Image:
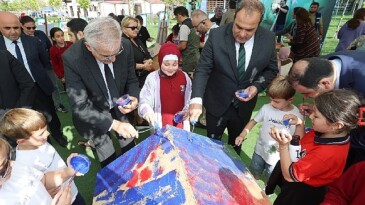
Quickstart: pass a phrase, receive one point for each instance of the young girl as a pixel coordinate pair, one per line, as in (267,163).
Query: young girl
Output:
(56,51)
(323,150)
(166,91)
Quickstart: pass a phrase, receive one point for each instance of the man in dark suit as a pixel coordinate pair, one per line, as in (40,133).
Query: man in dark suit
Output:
(98,70)
(344,69)
(16,85)
(239,55)
(33,55)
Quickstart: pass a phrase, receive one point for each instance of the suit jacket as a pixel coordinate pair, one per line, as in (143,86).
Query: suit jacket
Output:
(16,85)
(38,61)
(352,75)
(87,91)
(216,77)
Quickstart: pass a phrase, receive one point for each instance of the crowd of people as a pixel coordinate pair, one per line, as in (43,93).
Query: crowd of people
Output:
(211,71)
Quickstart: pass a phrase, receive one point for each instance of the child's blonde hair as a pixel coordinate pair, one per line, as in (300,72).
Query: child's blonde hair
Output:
(280,88)
(19,123)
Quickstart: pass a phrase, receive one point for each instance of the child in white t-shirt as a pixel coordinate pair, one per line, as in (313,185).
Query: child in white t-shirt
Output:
(271,115)
(29,129)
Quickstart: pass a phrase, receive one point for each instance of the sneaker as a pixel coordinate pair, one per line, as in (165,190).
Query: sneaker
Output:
(62,108)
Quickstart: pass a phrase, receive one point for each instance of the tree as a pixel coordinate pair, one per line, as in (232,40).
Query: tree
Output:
(55,3)
(84,4)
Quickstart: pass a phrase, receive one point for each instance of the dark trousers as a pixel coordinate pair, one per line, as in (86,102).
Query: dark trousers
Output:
(44,104)
(230,120)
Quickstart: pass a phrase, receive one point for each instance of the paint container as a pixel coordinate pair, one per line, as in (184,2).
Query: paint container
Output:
(124,100)
(242,94)
(179,117)
(80,163)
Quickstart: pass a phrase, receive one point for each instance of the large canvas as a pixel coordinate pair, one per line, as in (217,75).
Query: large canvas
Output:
(174,166)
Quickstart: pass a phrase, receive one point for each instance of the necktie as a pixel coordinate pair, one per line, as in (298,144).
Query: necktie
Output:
(241,69)
(112,87)
(241,61)
(18,53)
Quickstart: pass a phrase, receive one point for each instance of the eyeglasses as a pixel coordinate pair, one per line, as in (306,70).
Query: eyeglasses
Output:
(8,28)
(133,27)
(108,57)
(201,22)
(29,28)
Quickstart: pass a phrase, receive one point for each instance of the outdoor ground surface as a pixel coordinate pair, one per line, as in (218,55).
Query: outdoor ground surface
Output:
(86,183)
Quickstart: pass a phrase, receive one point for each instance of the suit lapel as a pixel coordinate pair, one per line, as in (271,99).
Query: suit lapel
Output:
(2,43)
(27,48)
(230,43)
(94,69)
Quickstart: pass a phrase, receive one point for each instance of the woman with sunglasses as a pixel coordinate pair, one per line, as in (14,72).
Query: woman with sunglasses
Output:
(142,57)
(21,184)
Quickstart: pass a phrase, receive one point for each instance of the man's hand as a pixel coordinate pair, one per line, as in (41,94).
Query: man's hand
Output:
(132,105)
(251,91)
(124,129)
(305,109)
(195,110)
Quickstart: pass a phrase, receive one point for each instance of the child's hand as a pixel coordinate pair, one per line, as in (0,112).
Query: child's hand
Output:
(63,196)
(306,109)
(149,117)
(293,119)
(283,138)
(242,137)
(239,140)
(69,164)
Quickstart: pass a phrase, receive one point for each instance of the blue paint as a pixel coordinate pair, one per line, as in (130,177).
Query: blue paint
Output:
(242,94)
(80,163)
(124,100)
(160,191)
(179,117)
(203,159)
(286,122)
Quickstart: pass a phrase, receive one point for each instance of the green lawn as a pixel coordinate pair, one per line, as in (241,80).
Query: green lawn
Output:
(86,184)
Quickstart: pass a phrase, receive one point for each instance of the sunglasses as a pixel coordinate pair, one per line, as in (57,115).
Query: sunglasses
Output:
(133,27)
(29,28)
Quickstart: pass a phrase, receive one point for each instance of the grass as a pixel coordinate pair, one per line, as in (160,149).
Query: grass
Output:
(86,183)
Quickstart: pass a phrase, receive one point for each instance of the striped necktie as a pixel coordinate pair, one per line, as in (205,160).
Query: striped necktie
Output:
(241,61)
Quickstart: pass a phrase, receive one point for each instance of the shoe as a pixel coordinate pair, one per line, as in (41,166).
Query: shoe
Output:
(200,125)
(85,144)
(61,141)
(62,108)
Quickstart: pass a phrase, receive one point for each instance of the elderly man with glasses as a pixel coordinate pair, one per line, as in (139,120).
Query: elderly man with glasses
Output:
(99,69)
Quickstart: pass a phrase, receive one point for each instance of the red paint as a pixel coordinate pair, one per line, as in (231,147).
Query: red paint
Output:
(132,182)
(153,157)
(236,188)
(145,174)
(139,166)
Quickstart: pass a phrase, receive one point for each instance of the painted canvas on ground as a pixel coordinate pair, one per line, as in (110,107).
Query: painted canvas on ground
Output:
(175,167)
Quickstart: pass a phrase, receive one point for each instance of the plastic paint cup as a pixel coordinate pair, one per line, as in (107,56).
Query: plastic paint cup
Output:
(124,100)
(179,117)
(286,122)
(80,163)
(242,94)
